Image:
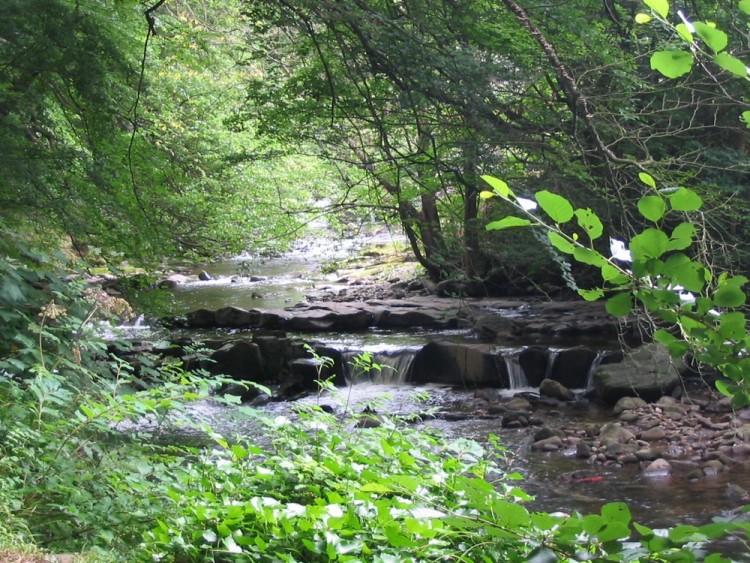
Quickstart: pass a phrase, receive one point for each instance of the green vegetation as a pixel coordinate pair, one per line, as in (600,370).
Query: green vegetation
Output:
(208,128)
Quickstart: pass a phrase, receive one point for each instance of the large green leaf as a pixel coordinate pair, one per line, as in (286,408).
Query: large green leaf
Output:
(500,187)
(561,243)
(556,206)
(682,236)
(620,305)
(744,5)
(672,64)
(729,296)
(716,39)
(652,207)
(589,222)
(731,64)
(661,7)
(685,200)
(651,243)
(588,256)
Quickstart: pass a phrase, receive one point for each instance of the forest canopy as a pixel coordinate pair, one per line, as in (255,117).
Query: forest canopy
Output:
(151,130)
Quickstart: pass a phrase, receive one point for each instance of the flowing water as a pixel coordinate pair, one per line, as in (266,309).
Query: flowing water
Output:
(281,282)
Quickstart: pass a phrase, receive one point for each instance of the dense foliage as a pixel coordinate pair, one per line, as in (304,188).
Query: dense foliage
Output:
(182,133)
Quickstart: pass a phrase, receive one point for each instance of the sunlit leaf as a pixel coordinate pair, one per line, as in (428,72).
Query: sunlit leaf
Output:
(716,39)
(672,64)
(556,206)
(642,18)
(647,179)
(661,7)
(500,187)
(684,32)
(588,256)
(651,243)
(589,222)
(591,294)
(682,236)
(731,64)
(652,207)
(744,5)
(507,223)
(685,200)
(561,243)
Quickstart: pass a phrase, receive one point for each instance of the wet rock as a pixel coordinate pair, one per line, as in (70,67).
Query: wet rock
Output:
(613,433)
(546,432)
(518,403)
(553,443)
(658,468)
(648,454)
(712,467)
(583,450)
(203,275)
(515,419)
(201,318)
(647,372)
(653,434)
(556,390)
(458,364)
(629,416)
(736,493)
(570,366)
(629,404)
(239,359)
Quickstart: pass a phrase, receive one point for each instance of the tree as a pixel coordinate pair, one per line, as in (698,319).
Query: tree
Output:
(422,97)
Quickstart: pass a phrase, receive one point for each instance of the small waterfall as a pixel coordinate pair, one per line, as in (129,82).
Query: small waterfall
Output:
(600,355)
(551,358)
(390,366)
(516,376)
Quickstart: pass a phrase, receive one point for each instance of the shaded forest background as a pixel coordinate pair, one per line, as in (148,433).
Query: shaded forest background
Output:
(199,129)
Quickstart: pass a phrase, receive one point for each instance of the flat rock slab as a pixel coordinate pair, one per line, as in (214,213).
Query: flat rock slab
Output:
(493,319)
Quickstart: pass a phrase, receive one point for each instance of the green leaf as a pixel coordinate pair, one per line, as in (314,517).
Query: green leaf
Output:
(661,7)
(672,64)
(642,18)
(685,272)
(616,512)
(733,326)
(651,243)
(729,296)
(652,207)
(647,179)
(685,200)
(716,39)
(613,274)
(619,305)
(486,194)
(684,32)
(588,256)
(501,188)
(507,223)
(731,64)
(682,236)
(746,118)
(744,5)
(589,222)
(561,243)
(556,206)
(591,294)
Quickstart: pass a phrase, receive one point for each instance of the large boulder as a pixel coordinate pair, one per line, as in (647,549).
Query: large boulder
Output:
(469,365)
(647,372)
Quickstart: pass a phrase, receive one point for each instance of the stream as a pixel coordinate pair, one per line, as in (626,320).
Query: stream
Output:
(281,282)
